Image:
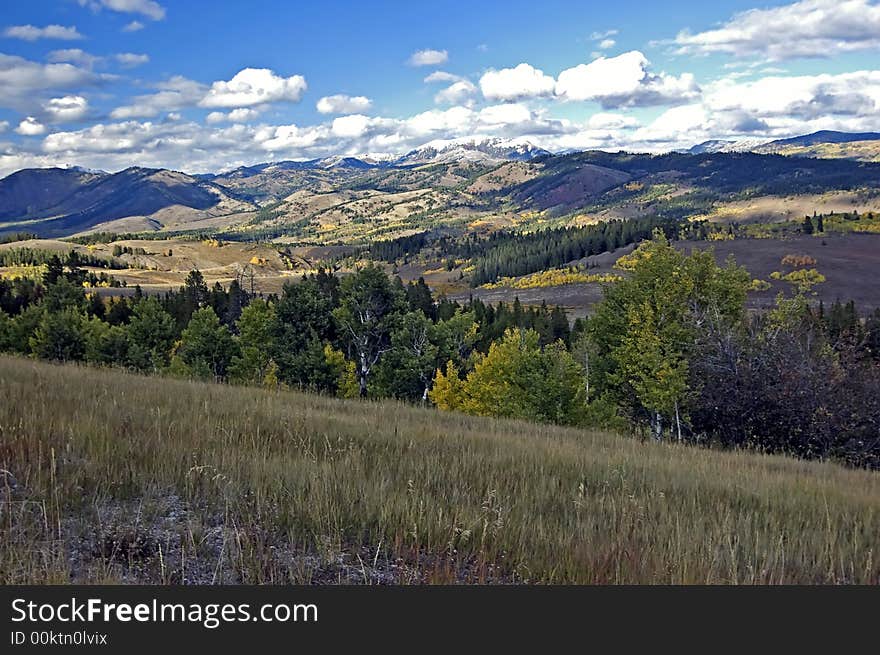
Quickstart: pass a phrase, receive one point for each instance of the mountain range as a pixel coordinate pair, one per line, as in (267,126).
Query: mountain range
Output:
(784,146)
(440,183)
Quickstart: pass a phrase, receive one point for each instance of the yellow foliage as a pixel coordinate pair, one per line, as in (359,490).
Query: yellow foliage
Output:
(258,261)
(447,392)
(551,278)
(798,260)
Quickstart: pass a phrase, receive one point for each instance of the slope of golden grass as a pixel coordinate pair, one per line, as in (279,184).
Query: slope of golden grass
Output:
(858,150)
(109,476)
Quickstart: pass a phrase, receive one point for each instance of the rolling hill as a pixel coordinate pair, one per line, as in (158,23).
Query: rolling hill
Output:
(456,186)
(154,480)
(60,202)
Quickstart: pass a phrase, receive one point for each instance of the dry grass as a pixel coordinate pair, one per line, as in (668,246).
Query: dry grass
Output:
(116,477)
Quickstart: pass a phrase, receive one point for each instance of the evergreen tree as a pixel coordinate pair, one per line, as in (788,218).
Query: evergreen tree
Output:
(61,336)
(256,333)
(807,225)
(151,333)
(206,347)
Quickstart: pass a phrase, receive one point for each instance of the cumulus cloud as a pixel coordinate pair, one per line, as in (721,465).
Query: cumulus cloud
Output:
(73,56)
(624,81)
(428,58)
(147,8)
(254,86)
(343,104)
(456,93)
(810,28)
(350,126)
(673,123)
(66,108)
(133,26)
(130,59)
(805,97)
(454,119)
(770,107)
(241,115)
(506,114)
(24,82)
(30,126)
(177,92)
(33,33)
(287,137)
(523,81)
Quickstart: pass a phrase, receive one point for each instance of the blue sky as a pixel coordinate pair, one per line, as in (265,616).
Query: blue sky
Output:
(202,86)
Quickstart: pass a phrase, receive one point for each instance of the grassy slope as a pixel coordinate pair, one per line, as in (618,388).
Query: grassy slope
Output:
(121,477)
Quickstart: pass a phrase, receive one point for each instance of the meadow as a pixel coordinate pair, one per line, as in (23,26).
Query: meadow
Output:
(109,476)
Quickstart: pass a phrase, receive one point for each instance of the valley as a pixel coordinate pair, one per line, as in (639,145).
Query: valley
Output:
(268,224)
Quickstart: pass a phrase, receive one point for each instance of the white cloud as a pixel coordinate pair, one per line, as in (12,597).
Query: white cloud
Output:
(506,114)
(350,126)
(442,76)
(175,93)
(456,93)
(343,104)
(30,126)
(805,97)
(454,119)
(23,82)
(130,59)
(286,137)
(147,8)
(254,86)
(67,108)
(241,115)
(605,44)
(810,28)
(609,121)
(624,81)
(428,58)
(73,56)
(133,26)
(32,33)
(4,125)
(523,81)
(674,123)
(770,107)
(598,36)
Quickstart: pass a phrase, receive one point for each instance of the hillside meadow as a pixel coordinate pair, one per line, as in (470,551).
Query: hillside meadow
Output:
(113,477)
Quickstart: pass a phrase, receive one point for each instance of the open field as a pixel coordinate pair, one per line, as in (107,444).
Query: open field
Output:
(159,265)
(850,263)
(109,476)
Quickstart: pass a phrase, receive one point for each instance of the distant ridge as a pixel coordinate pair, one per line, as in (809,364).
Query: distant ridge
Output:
(826,136)
(765,146)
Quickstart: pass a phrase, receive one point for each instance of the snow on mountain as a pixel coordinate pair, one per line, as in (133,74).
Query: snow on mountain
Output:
(472,149)
(721,145)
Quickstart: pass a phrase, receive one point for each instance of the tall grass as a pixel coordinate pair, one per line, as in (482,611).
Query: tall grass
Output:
(116,477)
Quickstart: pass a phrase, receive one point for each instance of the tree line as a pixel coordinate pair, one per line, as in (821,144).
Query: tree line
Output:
(670,351)
(40,257)
(366,334)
